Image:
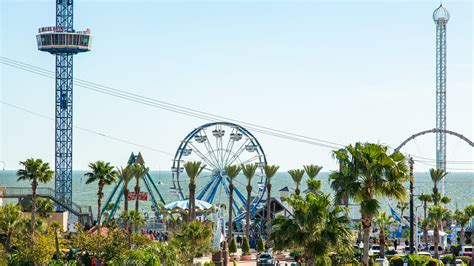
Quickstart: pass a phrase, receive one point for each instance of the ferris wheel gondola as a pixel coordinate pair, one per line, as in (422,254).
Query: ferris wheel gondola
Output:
(217,145)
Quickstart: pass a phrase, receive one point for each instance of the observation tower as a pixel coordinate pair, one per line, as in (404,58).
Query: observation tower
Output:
(63,42)
(441,18)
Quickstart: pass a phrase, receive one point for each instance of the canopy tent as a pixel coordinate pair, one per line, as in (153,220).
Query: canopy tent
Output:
(183,206)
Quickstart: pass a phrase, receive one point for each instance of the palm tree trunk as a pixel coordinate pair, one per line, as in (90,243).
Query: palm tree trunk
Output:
(297,190)
(382,242)
(231,195)
(269,224)
(462,236)
(436,240)
(8,240)
(366,223)
(125,195)
(425,206)
(99,205)
(247,214)
(34,185)
(191,208)
(425,235)
(56,242)
(137,192)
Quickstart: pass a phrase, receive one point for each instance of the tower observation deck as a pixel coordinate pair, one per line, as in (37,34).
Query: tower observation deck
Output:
(63,42)
(441,18)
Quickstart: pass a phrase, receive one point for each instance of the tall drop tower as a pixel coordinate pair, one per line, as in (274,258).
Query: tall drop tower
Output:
(63,42)
(441,18)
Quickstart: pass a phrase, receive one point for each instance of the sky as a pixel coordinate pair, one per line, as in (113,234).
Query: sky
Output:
(341,71)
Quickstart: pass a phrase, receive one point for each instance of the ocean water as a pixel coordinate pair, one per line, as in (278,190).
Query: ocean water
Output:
(459,187)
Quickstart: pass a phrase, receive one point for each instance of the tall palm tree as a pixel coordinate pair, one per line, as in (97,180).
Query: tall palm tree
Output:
(425,223)
(139,172)
(35,170)
(469,211)
(193,170)
(297,176)
(232,172)
(105,175)
(372,173)
(125,175)
(10,217)
(436,176)
(462,220)
(270,171)
(249,171)
(317,227)
(312,170)
(382,220)
(436,215)
(425,198)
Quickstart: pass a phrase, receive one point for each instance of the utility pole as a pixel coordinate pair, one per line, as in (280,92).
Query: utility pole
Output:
(412,214)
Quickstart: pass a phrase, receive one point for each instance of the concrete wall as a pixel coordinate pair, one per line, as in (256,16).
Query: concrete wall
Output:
(60,217)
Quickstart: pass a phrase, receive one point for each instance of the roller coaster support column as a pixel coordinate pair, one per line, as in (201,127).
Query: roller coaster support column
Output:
(412,213)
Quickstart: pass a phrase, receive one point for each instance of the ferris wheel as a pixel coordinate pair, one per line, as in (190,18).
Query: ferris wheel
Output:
(217,145)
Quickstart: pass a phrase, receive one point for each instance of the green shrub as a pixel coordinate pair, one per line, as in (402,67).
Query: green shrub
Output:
(433,262)
(232,246)
(448,259)
(396,261)
(260,246)
(245,246)
(455,249)
(465,259)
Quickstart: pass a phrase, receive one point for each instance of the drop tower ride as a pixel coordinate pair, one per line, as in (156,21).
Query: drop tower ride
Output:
(63,42)
(441,18)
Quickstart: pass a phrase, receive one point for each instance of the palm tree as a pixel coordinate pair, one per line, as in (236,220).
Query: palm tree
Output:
(382,220)
(249,171)
(462,220)
(469,211)
(436,176)
(232,172)
(425,223)
(132,219)
(105,175)
(10,217)
(193,170)
(402,205)
(436,215)
(297,176)
(425,198)
(370,172)
(125,175)
(139,172)
(317,226)
(270,171)
(35,170)
(312,170)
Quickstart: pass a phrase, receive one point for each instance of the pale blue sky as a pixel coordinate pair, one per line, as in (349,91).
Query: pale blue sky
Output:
(342,71)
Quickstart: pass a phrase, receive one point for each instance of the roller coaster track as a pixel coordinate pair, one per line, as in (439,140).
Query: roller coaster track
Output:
(84,213)
(435,130)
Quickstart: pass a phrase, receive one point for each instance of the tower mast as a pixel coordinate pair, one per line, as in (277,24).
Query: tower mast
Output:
(441,18)
(63,42)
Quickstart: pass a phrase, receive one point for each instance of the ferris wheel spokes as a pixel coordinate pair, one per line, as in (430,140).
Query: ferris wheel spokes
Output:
(203,157)
(239,151)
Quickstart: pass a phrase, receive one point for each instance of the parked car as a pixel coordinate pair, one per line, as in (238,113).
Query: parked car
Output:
(466,251)
(265,259)
(374,250)
(424,253)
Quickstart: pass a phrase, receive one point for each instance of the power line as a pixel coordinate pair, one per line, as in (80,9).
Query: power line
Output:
(88,130)
(173,107)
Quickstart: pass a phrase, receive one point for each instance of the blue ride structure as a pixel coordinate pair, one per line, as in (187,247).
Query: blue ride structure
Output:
(116,195)
(217,145)
(63,42)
